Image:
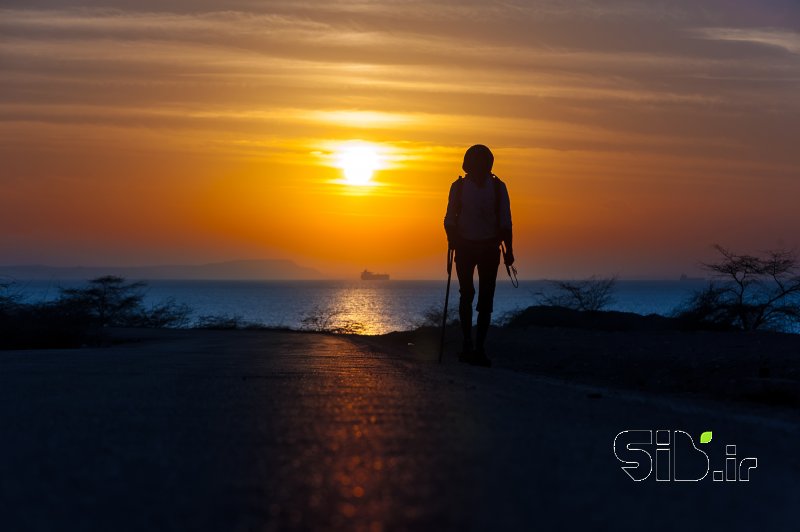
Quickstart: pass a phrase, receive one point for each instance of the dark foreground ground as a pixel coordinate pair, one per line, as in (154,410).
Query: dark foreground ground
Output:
(249,430)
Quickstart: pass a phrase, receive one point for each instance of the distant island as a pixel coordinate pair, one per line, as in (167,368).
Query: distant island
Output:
(239,270)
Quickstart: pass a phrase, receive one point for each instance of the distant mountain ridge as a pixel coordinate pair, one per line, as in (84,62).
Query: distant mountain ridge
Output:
(273,269)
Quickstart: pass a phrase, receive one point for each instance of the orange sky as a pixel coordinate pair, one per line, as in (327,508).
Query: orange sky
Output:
(632,135)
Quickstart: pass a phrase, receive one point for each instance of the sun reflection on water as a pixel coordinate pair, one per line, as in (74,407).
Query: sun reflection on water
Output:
(355,309)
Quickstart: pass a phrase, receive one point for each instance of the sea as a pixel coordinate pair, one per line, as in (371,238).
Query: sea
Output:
(365,307)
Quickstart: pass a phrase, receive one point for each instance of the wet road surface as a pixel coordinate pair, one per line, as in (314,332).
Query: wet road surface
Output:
(249,430)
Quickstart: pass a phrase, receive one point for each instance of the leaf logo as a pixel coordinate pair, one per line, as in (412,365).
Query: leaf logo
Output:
(706,437)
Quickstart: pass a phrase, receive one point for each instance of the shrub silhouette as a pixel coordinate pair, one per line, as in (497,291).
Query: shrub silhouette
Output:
(590,294)
(41,325)
(321,319)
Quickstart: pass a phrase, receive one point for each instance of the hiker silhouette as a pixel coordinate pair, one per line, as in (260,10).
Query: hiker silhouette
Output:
(477,221)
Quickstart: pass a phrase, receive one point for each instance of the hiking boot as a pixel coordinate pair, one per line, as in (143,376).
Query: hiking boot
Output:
(479,358)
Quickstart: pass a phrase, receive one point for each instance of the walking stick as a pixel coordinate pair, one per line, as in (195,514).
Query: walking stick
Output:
(450,254)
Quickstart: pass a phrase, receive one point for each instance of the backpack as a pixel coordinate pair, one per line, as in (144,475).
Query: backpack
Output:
(497,190)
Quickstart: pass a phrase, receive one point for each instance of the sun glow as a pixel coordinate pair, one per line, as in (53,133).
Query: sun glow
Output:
(358,162)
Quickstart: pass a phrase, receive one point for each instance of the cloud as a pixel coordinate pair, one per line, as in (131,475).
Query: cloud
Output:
(786,40)
(288,52)
(406,71)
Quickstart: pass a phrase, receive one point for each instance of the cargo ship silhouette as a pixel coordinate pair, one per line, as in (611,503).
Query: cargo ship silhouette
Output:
(367,275)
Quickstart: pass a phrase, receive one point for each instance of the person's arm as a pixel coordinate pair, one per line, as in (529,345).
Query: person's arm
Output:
(506,233)
(451,218)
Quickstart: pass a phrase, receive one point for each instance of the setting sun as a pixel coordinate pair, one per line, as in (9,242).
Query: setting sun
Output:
(358,162)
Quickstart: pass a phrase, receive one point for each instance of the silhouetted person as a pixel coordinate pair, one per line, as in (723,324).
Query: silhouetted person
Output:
(478,219)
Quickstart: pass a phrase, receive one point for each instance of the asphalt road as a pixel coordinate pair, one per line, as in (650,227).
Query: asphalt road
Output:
(256,430)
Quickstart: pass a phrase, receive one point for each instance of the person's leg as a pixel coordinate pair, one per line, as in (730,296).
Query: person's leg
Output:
(487,281)
(465,269)
(484,320)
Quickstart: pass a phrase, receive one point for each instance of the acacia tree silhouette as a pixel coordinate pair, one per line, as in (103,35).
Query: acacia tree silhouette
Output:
(750,292)
(109,299)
